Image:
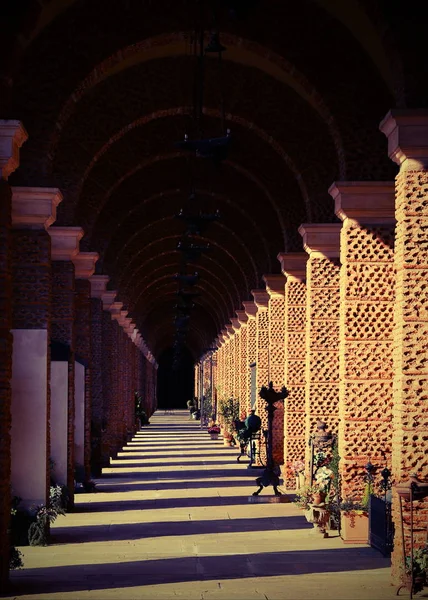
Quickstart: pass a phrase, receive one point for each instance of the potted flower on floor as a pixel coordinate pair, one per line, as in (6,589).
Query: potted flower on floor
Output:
(354,515)
(354,522)
(214,431)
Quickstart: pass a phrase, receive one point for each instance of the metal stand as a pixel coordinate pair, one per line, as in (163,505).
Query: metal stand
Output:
(272,471)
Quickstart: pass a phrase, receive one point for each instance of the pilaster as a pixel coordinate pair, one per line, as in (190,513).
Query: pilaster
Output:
(275,287)
(33,210)
(84,264)
(98,285)
(293,267)
(251,310)
(64,247)
(407,133)
(367,295)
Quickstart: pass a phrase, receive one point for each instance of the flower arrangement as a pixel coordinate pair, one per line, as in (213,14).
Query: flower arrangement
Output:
(214,429)
(297,466)
(323,478)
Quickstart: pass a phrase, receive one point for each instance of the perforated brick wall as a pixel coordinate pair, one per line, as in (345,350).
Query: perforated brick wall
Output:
(295,373)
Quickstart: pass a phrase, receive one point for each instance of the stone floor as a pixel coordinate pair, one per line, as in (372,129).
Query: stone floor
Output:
(173,517)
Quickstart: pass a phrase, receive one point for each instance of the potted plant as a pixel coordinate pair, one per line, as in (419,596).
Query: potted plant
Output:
(416,578)
(354,518)
(214,431)
(354,522)
(228,412)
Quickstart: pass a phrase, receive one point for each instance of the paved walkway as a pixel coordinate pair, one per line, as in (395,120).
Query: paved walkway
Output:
(174,518)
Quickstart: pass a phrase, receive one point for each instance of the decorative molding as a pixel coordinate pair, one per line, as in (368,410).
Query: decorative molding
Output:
(12,136)
(34,207)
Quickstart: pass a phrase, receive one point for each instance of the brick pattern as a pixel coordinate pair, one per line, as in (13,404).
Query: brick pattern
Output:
(5,377)
(276,369)
(262,365)
(251,353)
(97,392)
(295,374)
(243,373)
(83,349)
(62,330)
(367,284)
(322,345)
(410,417)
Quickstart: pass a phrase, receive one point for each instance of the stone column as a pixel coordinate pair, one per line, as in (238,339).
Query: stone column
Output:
(237,358)
(407,133)
(108,431)
(322,243)
(261,300)
(275,287)
(116,375)
(98,285)
(251,311)
(33,211)
(231,347)
(293,266)
(12,136)
(243,367)
(64,247)
(367,287)
(84,264)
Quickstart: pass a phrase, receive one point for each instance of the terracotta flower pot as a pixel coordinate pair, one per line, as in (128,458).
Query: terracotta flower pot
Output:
(214,436)
(318,498)
(354,527)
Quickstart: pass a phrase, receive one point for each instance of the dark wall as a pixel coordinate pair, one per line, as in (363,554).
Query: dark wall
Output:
(175,386)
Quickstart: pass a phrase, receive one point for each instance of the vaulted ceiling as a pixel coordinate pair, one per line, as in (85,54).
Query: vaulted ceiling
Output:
(105,89)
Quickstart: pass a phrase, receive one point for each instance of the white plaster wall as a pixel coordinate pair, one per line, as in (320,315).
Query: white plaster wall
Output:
(59,419)
(29,415)
(79,418)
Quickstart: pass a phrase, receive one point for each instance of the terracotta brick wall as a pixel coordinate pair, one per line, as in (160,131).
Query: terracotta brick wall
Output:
(63,330)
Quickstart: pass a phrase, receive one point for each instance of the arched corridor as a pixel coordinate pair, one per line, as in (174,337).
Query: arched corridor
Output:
(173,516)
(204,203)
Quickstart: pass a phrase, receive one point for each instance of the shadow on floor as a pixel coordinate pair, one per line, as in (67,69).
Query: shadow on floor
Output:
(170,485)
(164,503)
(136,531)
(170,570)
(117,464)
(171,474)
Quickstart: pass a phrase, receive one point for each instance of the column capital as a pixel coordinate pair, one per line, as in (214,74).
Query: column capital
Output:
(98,285)
(242,316)
(115,309)
(122,317)
(108,299)
(230,329)
(321,240)
(293,265)
(34,207)
(275,285)
(225,333)
(365,202)
(84,264)
(235,324)
(250,308)
(261,298)
(407,133)
(65,242)
(12,136)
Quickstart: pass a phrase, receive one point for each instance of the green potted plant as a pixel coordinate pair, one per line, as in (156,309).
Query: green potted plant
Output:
(416,577)
(214,431)
(354,521)
(354,514)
